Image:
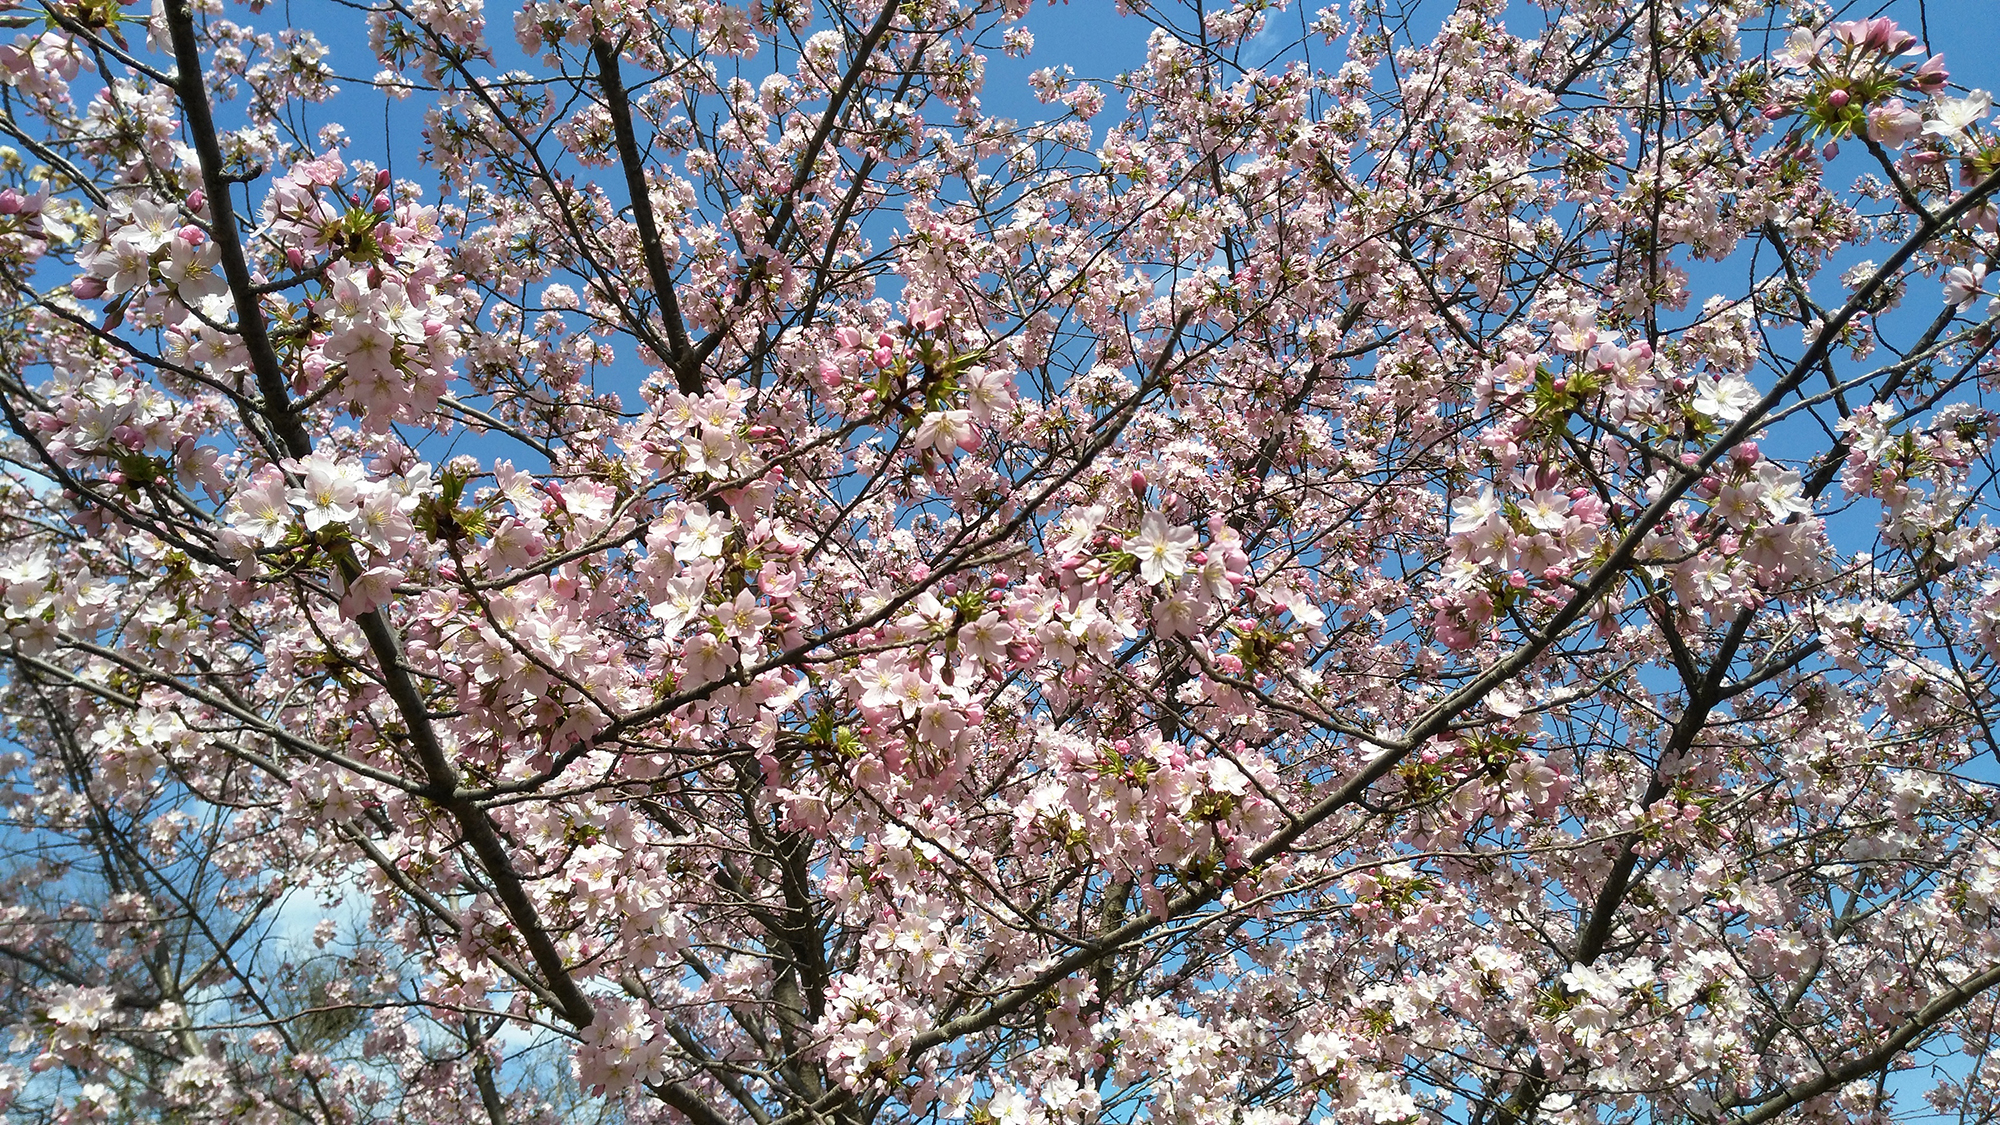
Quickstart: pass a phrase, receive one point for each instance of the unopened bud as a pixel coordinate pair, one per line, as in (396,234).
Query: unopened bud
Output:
(1837,99)
(1931,77)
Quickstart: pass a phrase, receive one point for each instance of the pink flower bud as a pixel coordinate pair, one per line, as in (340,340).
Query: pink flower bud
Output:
(1837,99)
(381,205)
(10,202)
(1932,76)
(1138,483)
(295,258)
(1746,453)
(1886,37)
(196,200)
(381,179)
(1773,112)
(87,288)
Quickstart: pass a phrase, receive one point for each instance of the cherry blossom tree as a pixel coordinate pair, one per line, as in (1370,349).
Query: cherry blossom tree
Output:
(769,564)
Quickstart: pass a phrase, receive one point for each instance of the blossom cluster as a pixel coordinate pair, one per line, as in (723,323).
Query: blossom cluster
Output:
(1333,578)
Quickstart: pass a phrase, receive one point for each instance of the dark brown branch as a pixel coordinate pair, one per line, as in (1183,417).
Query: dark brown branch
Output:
(687,369)
(1912,1029)
(441,776)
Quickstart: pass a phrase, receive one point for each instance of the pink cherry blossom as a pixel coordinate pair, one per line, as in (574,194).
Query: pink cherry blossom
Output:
(765,564)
